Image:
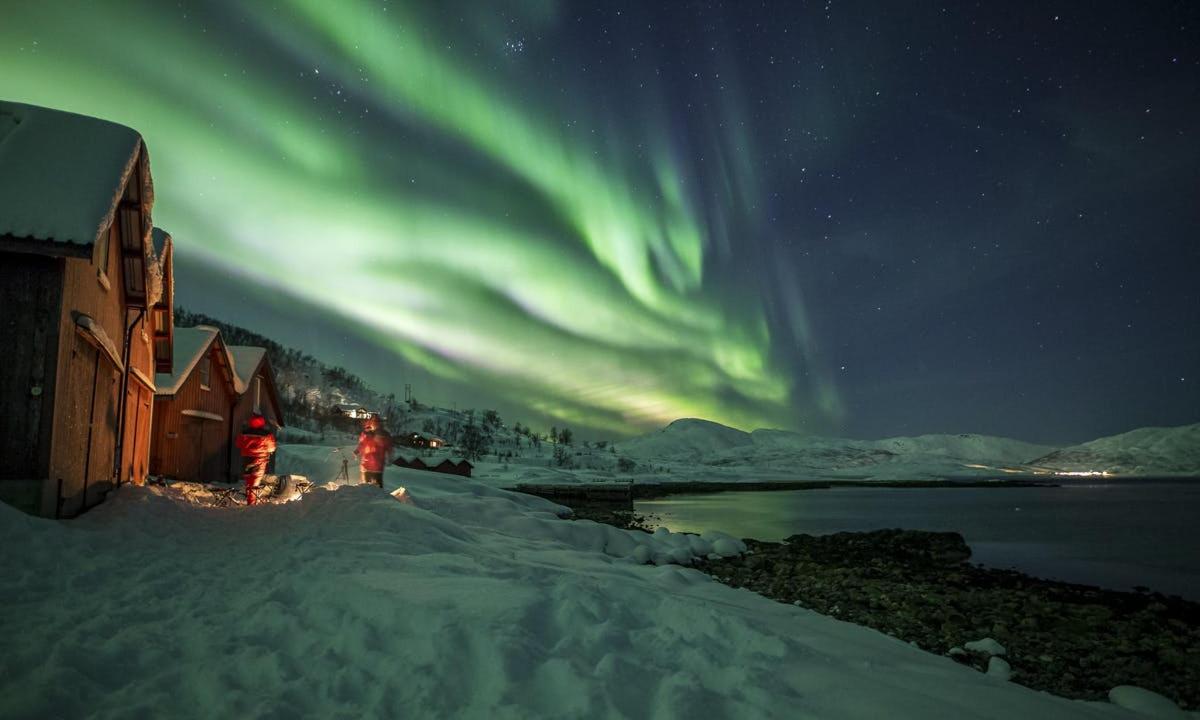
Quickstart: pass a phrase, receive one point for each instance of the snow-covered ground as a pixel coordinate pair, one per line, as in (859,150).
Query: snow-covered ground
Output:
(468,602)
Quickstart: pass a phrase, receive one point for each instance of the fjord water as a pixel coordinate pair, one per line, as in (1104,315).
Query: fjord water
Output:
(1113,533)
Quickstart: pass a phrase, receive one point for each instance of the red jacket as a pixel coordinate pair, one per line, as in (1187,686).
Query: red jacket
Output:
(373,450)
(253,445)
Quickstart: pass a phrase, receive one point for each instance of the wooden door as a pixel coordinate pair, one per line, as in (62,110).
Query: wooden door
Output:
(103,444)
(204,457)
(135,453)
(73,450)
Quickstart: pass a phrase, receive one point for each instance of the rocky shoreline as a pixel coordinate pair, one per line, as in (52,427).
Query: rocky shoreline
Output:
(1072,640)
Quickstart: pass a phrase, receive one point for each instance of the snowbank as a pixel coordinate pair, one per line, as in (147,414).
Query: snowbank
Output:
(470,602)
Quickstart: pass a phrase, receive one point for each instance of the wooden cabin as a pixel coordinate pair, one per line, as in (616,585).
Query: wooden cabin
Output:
(415,464)
(447,465)
(193,410)
(421,442)
(77,276)
(256,393)
(354,411)
(461,467)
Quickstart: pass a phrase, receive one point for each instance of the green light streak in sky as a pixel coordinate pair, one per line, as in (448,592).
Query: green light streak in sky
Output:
(442,207)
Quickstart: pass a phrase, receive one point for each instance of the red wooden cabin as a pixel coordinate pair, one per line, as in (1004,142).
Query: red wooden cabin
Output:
(78,274)
(193,409)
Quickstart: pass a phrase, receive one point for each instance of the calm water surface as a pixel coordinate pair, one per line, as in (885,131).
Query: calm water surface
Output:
(1116,534)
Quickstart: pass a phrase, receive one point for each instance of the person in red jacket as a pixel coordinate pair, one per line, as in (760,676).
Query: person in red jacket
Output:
(374,450)
(256,442)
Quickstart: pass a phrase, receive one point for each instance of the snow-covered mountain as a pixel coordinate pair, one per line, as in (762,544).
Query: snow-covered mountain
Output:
(1145,451)
(687,439)
(772,453)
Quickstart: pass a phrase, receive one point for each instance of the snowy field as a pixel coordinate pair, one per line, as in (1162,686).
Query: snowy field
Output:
(467,602)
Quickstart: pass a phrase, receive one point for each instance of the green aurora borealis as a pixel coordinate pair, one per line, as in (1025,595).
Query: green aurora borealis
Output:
(407,170)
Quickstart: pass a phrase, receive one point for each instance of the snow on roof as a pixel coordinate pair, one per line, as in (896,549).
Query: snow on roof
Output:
(190,346)
(245,361)
(61,174)
(89,325)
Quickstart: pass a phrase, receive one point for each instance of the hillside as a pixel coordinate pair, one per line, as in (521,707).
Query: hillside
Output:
(310,388)
(685,439)
(1145,451)
(716,447)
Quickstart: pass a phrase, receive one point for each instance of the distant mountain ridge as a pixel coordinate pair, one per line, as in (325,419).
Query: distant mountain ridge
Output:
(1148,451)
(1145,451)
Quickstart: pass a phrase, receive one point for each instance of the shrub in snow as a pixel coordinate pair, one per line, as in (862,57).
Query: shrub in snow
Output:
(1144,702)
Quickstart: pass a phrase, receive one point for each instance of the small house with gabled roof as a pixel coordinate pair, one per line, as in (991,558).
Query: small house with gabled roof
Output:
(256,393)
(193,405)
(78,274)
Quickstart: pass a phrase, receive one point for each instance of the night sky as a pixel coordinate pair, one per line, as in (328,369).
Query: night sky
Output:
(853,218)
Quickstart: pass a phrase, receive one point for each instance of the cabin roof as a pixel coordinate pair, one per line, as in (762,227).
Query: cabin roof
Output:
(190,345)
(61,174)
(245,361)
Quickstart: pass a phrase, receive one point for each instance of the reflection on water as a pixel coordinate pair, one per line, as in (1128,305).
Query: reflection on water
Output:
(1113,533)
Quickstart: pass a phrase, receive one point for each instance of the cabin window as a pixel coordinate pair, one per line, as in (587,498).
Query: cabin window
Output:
(160,319)
(206,373)
(258,394)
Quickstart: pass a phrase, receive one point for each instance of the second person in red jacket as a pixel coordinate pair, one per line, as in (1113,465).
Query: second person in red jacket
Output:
(373,451)
(257,444)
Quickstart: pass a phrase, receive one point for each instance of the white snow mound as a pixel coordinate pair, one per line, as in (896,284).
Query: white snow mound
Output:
(1144,702)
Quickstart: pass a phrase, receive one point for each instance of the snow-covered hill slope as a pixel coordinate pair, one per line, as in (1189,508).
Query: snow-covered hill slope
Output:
(471,603)
(1145,451)
(715,446)
(685,439)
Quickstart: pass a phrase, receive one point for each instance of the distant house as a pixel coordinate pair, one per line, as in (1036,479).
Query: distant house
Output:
(445,466)
(353,411)
(415,464)
(78,275)
(454,468)
(417,440)
(254,383)
(193,407)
